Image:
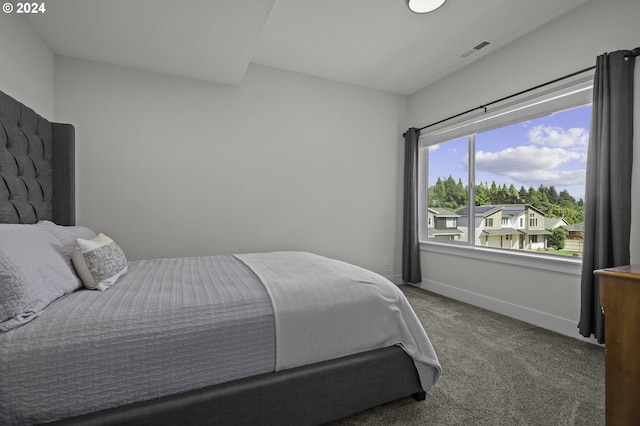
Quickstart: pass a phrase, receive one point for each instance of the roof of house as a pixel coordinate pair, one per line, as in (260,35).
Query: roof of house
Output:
(483,211)
(535,231)
(440,212)
(432,232)
(575,227)
(515,209)
(511,231)
(501,231)
(507,209)
(554,222)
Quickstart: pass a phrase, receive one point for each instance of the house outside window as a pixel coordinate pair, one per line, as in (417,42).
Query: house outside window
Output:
(443,225)
(526,161)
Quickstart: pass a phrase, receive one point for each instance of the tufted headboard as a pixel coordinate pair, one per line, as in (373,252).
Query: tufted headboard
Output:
(37,166)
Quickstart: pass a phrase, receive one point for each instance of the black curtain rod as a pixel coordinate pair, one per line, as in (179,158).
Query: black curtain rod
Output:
(633,53)
(484,107)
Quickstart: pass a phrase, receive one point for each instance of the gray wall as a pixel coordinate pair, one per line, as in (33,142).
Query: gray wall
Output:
(26,68)
(169,166)
(565,45)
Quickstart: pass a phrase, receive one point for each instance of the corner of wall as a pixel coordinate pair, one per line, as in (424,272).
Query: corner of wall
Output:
(27,73)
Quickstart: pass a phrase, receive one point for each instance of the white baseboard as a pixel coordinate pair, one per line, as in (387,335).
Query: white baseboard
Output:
(541,319)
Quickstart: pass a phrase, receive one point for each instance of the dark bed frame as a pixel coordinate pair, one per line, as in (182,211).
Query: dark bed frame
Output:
(37,182)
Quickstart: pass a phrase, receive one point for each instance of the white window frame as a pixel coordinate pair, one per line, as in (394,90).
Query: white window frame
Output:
(562,96)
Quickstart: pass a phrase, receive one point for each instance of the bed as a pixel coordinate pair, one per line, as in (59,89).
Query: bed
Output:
(254,338)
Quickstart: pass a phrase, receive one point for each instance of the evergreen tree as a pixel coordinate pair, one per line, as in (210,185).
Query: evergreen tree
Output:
(552,195)
(565,199)
(482,196)
(514,192)
(524,195)
(437,194)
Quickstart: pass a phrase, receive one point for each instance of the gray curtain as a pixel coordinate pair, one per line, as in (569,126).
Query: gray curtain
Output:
(608,187)
(410,244)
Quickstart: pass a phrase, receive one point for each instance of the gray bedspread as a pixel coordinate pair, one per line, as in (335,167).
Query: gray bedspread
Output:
(168,326)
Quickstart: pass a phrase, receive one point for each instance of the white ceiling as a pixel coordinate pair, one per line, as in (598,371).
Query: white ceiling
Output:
(372,43)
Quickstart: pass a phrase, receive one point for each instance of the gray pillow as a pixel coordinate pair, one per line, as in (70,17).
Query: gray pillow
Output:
(67,235)
(33,273)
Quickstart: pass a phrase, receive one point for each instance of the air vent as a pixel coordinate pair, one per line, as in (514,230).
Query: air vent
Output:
(475,48)
(481,45)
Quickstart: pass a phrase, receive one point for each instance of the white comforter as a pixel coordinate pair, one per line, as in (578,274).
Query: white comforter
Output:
(326,309)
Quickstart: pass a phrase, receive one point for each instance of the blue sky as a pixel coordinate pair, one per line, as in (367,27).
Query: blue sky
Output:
(550,150)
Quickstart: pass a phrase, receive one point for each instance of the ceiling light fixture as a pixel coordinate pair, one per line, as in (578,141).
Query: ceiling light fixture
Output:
(424,6)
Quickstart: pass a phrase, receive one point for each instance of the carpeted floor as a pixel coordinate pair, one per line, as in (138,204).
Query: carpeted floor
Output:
(497,371)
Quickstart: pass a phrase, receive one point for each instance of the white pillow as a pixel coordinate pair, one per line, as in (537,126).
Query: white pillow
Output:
(99,262)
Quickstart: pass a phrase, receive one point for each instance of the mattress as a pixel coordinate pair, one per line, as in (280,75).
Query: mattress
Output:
(168,326)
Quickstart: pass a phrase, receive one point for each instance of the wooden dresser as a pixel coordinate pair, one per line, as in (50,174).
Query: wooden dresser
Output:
(620,297)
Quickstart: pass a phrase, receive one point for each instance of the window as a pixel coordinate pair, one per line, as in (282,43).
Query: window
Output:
(451,222)
(530,155)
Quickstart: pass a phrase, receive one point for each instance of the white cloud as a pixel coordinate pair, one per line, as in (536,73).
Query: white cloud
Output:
(554,156)
(523,158)
(558,137)
(550,177)
(532,165)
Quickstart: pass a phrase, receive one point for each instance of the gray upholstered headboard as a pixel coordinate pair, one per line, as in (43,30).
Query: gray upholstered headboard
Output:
(37,166)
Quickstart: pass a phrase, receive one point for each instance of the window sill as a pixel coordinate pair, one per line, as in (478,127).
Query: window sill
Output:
(544,262)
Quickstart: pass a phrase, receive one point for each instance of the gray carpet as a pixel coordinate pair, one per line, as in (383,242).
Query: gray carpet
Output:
(498,371)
